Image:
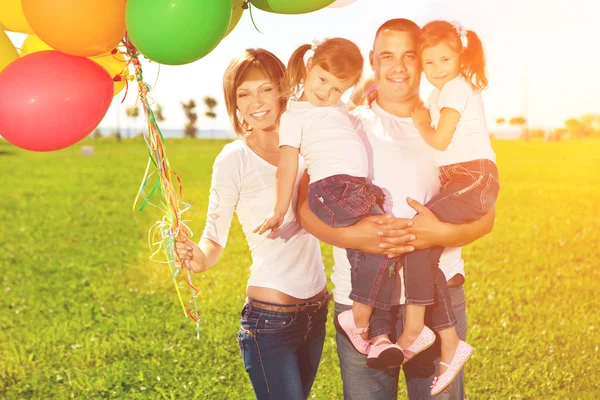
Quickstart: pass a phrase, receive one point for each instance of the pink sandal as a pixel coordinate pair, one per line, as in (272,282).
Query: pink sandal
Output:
(424,341)
(461,356)
(382,356)
(344,323)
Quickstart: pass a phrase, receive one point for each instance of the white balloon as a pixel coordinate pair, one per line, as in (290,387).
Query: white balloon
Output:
(341,3)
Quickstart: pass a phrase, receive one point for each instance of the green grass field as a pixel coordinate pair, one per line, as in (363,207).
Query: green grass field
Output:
(84,314)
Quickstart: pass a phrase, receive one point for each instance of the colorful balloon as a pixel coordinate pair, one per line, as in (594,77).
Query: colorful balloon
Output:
(290,7)
(33,44)
(236,15)
(80,28)
(8,53)
(50,100)
(115,64)
(341,3)
(177,32)
(12,17)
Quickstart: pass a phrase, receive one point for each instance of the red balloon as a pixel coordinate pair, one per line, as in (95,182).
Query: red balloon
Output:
(50,100)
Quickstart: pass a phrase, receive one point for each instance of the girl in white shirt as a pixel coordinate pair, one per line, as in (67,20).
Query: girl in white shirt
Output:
(453,62)
(283,321)
(317,126)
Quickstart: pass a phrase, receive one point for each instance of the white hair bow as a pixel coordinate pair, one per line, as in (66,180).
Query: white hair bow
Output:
(461,31)
(316,43)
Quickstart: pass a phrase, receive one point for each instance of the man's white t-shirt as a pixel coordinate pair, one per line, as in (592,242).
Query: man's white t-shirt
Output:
(326,139)
(471,140)
(402,164)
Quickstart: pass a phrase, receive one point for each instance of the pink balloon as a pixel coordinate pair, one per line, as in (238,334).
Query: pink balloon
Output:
(50,100)
(341,3)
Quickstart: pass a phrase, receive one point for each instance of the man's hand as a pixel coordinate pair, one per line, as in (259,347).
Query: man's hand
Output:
(427,228)
(381,234)
(272,222)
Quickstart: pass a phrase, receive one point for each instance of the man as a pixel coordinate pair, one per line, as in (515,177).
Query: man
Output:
(402,164)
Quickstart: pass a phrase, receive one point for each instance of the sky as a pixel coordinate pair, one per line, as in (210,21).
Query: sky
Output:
(543,57)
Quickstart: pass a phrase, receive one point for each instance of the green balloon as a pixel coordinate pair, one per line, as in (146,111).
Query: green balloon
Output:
(177,32)
(291,6)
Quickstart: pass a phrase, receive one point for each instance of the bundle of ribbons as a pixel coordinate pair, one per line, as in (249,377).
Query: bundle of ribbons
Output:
(161,187)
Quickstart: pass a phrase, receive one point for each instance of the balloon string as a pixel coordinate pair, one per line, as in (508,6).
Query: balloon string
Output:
(157,75)
(119,77)
(137,196)
(164,233)
(126,91)
(248,6)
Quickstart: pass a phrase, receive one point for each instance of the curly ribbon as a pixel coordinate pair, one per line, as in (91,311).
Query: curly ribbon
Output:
(164,233)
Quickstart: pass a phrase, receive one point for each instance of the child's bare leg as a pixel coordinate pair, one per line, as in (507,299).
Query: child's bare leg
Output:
(449,339)
(362,315)
(415,322)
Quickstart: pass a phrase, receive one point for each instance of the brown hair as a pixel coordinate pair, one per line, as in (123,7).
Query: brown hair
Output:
(236,73)
(340,57)
(472,56)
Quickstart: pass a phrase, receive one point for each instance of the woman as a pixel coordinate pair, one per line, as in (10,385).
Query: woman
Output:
(283,320)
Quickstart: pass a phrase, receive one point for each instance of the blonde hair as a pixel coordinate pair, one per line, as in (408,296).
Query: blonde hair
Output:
(340,57)
(237,71)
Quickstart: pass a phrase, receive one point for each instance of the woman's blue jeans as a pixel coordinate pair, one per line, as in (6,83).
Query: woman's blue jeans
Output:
(282,350)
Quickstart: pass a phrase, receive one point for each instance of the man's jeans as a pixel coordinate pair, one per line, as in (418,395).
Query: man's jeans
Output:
(363,383)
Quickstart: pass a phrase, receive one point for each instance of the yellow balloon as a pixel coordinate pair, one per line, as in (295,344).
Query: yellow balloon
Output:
(8,53)
(32,44)
(12,17)
(114,64)
(236,14)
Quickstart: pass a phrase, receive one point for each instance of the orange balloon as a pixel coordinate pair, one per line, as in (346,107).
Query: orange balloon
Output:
(83,28)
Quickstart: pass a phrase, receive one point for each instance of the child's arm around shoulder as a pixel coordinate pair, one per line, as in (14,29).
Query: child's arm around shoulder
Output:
(452,102)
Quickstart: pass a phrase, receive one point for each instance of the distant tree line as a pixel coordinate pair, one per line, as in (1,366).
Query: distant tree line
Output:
(587,125)
(190,130)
